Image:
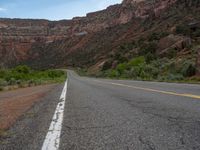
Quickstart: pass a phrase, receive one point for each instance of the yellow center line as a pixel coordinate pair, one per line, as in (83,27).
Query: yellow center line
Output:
(152,90)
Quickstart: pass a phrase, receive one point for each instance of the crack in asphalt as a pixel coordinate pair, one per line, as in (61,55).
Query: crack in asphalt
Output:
(148,144)
(177,121)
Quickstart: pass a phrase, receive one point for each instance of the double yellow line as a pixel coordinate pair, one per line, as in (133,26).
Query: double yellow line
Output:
(152,90)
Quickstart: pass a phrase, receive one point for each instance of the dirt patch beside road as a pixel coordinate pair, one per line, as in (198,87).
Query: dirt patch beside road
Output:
(13,104)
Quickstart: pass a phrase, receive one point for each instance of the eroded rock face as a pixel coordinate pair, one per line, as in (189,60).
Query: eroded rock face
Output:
(145,8)
(173,42)
(18,36)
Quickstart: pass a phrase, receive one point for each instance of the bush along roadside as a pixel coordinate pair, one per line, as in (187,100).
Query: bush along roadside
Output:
(163,69)
(24,76)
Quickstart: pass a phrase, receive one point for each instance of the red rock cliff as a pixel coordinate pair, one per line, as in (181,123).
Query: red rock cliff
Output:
(17,36)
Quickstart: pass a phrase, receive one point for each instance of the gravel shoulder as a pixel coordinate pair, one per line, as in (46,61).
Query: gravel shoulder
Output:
(26,115)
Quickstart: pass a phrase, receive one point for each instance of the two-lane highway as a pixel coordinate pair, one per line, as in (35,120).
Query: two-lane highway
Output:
(135,115)
(102,114)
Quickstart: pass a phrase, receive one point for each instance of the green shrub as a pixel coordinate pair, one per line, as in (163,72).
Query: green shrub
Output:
(12,81)
(137,71)
(175,77)
(135,68)
(3,82)
(148,48)
(151,71)
(113,73)
(143,71)
(121,68)
(22,69)
(18,82)
(37,82)
(2,73)
(195,78)
(149,57)
(55,73)
(1,88)
(21,75)
(136,61)
(127,46)
(171,53)
(131,73)
(188,70)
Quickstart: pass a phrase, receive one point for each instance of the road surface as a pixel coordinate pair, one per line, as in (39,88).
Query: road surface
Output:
(102,114)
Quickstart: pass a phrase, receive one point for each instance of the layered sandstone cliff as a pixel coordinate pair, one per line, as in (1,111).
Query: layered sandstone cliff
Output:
(65,42)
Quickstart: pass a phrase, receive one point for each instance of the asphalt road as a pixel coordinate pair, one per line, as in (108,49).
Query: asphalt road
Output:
(103,114)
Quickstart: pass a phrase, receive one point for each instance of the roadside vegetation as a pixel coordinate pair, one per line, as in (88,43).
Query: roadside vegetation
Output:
(24,76)
(160,70)
(164,70)
(139,60)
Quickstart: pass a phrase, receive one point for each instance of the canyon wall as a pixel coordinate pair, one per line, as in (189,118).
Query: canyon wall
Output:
(60,43)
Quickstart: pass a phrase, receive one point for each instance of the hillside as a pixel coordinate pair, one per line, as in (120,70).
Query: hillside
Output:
(162,30)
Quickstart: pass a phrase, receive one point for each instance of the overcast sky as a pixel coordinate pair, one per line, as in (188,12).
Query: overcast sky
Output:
(51,9)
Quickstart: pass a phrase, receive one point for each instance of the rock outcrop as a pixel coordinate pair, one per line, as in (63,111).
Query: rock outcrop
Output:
(173,42)
(145,8)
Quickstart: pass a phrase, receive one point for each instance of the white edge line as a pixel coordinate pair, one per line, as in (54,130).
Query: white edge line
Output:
(52,140)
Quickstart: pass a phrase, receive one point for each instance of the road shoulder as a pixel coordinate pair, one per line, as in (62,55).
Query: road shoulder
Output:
(30,129)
